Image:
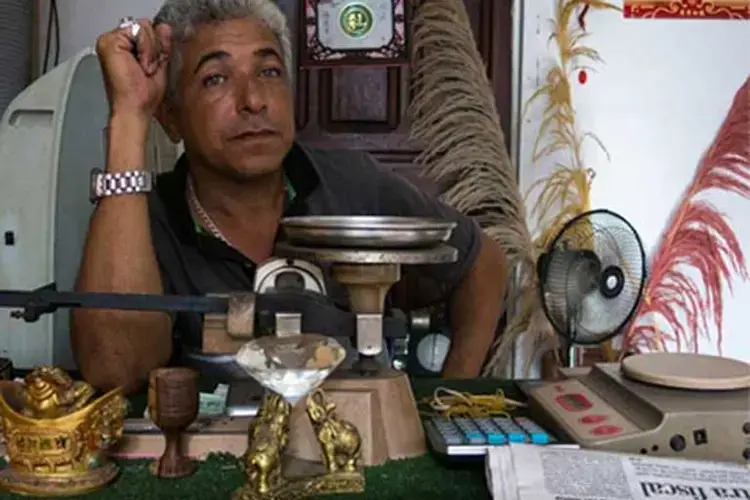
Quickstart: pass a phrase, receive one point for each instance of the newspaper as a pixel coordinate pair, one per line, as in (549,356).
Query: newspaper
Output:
(529,472)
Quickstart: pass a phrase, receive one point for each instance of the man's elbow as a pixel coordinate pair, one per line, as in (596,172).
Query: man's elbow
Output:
(105,380)
(105,371)
(104,376)
(118,357)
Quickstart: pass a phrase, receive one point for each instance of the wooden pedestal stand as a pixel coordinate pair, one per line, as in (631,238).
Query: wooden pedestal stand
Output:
(381,406)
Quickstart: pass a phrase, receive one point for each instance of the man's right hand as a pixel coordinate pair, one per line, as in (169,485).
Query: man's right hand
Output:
(135,86)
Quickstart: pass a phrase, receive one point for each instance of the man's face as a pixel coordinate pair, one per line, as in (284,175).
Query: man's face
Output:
(235,109)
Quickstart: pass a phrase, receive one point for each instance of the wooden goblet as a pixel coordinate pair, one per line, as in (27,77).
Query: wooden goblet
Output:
(173,406)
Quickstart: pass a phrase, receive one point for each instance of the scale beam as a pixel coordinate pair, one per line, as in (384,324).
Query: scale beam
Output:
(318,314)
(32,305)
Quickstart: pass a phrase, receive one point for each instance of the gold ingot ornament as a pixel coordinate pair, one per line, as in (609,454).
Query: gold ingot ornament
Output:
(57,434)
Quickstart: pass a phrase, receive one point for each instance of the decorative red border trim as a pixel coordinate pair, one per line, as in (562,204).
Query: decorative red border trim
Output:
(686,9)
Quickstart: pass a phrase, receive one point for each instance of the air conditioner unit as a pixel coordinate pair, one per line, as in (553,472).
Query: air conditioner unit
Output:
(51,136)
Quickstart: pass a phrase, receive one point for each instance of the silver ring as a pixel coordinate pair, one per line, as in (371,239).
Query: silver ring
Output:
(131,24)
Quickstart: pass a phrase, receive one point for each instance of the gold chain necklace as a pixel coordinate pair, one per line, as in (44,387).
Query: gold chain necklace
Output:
(198,212)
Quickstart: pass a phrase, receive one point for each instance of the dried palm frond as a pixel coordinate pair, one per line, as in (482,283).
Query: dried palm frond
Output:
(454,116)
(562,195)
(678,310)
(565,192)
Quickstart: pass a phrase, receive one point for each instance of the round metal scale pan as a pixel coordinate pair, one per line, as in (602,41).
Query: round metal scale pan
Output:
(366,231)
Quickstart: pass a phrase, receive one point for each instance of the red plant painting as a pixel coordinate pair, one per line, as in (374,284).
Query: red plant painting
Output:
(699,254)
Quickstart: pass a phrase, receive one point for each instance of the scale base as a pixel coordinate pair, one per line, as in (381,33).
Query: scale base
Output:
(662,404)
(46,486)
(381,406)
(297,489)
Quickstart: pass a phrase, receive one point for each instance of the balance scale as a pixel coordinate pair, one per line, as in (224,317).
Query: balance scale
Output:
(365,255)
(662,404)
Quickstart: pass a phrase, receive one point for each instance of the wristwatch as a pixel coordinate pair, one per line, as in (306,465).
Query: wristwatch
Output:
(105,184)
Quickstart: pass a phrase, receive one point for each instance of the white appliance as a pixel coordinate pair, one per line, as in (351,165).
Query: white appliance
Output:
(51,136)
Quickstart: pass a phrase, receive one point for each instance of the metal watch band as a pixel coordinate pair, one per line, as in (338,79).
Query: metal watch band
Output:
(104,184)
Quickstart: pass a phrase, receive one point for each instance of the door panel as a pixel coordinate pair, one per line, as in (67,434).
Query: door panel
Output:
(365,107)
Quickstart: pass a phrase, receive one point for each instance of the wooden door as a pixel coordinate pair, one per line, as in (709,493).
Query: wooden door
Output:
(365,108)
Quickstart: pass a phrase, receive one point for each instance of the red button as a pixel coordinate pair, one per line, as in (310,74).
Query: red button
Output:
(606,430)
(592,419)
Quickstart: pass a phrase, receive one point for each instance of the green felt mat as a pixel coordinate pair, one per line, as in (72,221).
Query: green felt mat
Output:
(220,475)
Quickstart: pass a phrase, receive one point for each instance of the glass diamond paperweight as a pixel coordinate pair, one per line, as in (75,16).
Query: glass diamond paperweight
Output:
(292,366)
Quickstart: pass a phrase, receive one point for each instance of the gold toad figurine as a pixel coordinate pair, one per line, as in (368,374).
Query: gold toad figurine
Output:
(340,443)
(50,393)
(57,434)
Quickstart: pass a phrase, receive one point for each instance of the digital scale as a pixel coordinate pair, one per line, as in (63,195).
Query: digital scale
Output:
(662,404)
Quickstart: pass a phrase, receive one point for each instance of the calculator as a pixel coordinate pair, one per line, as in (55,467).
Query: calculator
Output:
(471,436)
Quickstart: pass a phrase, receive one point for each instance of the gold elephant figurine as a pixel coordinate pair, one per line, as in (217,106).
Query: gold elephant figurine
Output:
(268,436)
(339,440)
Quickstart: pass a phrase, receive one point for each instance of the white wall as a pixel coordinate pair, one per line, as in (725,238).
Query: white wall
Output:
(656,104)
(82,21)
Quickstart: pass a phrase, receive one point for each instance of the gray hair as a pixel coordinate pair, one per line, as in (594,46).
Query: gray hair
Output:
(184,17)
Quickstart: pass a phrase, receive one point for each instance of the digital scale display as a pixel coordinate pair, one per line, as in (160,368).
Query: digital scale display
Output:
(573,402)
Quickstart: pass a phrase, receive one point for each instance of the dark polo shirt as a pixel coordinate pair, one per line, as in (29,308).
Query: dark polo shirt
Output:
(319,182)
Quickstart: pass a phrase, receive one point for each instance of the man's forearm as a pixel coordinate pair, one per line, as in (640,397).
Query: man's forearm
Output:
(117,347)
(476,306)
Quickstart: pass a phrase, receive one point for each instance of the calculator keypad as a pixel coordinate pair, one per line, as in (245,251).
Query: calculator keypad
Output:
(535,432)
(471,431)
(495,435)
(448,431)
(492,431)
(514,432)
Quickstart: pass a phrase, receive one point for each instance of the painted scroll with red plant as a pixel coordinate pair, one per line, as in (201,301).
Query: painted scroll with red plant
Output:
(699,254)
(687,9)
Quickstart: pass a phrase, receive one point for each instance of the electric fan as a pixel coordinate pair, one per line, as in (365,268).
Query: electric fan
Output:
(591,278)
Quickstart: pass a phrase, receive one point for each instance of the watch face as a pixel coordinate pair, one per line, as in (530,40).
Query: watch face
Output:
(432,351)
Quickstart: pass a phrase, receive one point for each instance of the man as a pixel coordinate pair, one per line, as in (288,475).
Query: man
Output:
(217,74)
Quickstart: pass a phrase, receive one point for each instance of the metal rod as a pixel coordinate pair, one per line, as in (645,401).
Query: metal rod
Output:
(33,304)
(122,301)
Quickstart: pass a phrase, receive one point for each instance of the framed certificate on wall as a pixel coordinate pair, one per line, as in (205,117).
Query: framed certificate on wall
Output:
(354,33)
